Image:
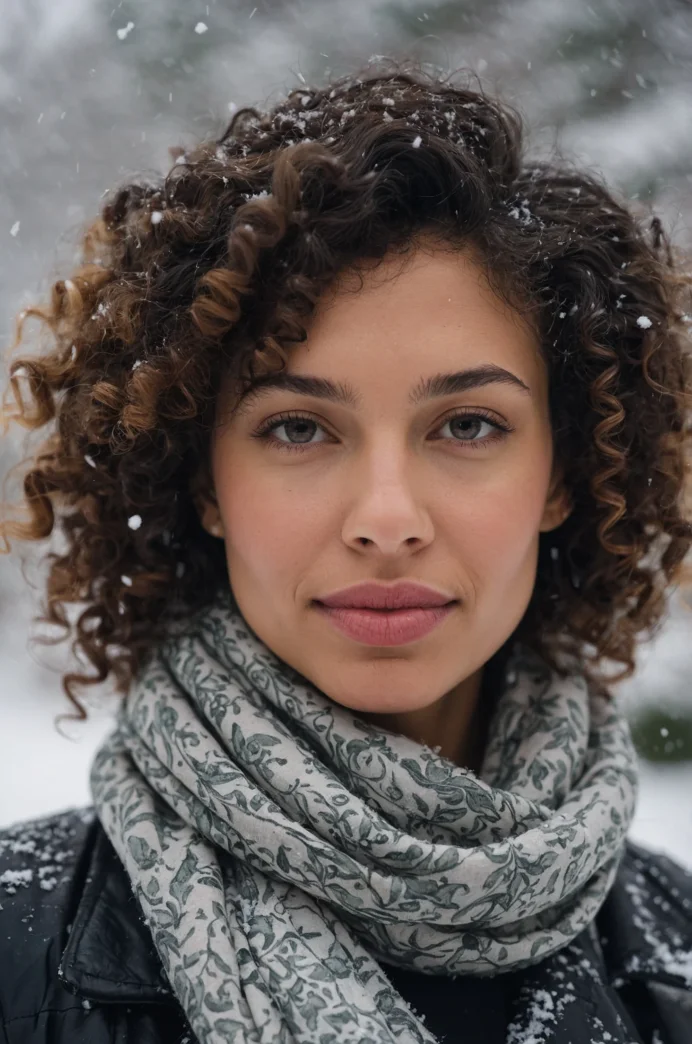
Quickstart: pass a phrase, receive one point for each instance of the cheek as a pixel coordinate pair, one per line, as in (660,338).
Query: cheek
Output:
(269,526)
(501,518)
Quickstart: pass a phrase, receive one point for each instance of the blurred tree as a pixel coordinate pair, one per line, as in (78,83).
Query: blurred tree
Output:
(661,735)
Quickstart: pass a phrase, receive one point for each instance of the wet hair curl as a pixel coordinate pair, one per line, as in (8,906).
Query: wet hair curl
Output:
(212,272)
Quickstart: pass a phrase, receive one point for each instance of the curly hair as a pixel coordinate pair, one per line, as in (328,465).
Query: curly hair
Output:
(213,272)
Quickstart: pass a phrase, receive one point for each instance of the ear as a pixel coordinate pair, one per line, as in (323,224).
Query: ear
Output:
(558,504)
(210,516)
(207,506)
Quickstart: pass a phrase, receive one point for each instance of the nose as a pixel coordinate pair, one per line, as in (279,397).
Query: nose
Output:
(387,513)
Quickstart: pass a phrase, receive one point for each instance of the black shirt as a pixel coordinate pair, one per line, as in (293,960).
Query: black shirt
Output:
(475,1010)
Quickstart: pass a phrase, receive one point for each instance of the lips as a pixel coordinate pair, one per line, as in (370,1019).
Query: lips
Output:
(386,627)
(404,594)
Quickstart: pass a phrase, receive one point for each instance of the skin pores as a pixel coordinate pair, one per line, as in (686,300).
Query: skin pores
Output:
(451,491)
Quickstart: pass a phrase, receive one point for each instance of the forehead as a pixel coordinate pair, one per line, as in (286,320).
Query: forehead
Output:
(428,272)
(389,329)
(431,310)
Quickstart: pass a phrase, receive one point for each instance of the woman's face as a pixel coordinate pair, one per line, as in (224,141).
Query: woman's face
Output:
(451,490)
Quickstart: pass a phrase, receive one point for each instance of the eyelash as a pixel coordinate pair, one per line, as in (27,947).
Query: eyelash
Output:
(267,427)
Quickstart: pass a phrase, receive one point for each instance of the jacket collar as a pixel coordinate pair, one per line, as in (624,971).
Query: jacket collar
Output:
(645,929)
(110,956)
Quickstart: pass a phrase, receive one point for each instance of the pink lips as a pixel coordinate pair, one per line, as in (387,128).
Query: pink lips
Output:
(378,613)
(386,626)
(371,594)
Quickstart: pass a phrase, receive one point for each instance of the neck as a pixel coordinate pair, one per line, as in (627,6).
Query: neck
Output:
(454,723)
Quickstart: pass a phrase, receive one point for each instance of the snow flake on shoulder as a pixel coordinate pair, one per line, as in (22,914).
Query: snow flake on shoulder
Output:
(564,999)
(667,948)
(38,851)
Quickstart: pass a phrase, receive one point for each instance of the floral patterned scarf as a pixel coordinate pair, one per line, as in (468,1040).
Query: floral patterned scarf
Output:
(280,846)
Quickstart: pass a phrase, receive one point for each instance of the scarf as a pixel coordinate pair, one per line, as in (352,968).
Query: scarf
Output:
(280,847)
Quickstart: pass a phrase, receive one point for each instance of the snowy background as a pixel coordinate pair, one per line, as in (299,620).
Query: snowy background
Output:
(93,92)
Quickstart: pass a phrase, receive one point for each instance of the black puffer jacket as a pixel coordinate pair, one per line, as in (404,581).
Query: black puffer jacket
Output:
(77,965)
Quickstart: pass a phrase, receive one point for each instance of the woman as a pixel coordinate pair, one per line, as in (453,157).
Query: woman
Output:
(368,443)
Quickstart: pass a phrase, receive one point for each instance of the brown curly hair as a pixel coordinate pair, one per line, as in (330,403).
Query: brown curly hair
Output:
(214,270)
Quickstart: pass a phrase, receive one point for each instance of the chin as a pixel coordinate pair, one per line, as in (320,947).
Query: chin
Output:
(382,704)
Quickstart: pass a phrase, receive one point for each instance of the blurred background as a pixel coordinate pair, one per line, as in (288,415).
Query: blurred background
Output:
(93,92)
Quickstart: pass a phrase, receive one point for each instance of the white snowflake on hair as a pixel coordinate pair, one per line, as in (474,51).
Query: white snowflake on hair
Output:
(522,213)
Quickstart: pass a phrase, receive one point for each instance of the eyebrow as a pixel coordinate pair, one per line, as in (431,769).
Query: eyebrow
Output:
(437,386)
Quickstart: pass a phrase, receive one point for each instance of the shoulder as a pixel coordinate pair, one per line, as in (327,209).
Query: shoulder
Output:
(37,854)
(645,931)
(647,917)
(40,865)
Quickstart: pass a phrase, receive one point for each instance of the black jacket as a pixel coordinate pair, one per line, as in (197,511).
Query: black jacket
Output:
(77,965)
